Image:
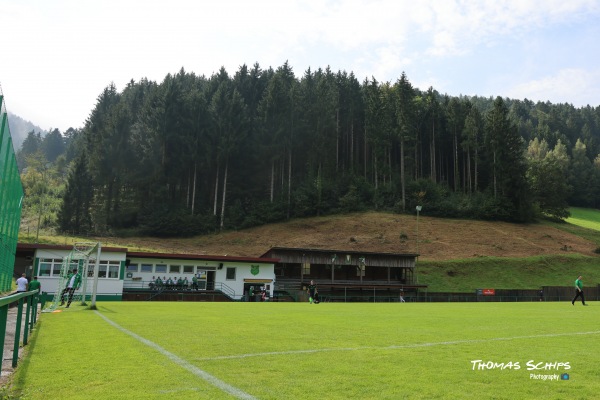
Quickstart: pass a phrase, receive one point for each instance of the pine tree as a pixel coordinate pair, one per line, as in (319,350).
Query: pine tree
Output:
(508,165)
(405,122)
(74,216)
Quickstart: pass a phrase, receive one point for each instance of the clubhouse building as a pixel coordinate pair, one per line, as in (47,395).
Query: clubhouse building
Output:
(281,274)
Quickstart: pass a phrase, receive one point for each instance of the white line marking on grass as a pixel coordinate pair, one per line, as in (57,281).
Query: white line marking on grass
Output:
(392,347)
(183,363)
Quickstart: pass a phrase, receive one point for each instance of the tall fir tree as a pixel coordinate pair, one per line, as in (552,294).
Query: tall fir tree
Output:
(74,216)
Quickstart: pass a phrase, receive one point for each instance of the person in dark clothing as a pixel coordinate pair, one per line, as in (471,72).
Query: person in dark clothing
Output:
(73,284)
(312,289)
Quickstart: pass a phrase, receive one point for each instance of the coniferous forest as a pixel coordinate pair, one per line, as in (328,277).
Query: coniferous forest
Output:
(195,154)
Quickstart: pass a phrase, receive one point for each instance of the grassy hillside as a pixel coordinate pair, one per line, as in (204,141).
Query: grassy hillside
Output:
(585,217)
(507,273)
(455,255)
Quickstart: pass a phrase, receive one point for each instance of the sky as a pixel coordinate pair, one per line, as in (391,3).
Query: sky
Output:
(56,57)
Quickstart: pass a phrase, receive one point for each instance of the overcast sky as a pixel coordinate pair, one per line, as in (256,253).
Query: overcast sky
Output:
(57,56)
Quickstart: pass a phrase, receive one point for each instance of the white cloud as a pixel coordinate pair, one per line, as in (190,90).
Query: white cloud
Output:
(461,26)
(59,55)
(575,86)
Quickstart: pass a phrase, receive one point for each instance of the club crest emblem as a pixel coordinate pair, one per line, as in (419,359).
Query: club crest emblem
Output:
(254,269)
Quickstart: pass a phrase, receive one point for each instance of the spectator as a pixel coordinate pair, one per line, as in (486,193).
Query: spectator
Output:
(35,284)
(22,283)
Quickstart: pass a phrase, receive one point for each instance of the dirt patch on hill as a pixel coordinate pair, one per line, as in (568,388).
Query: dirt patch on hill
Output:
(438,239)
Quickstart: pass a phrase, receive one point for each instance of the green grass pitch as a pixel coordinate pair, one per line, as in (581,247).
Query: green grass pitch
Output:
(153,350)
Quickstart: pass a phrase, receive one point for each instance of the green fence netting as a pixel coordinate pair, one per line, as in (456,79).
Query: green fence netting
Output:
(11,198)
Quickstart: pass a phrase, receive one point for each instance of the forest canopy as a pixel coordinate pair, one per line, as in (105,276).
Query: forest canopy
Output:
(195,154)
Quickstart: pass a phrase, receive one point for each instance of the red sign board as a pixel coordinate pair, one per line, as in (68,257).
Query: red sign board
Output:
(488,292)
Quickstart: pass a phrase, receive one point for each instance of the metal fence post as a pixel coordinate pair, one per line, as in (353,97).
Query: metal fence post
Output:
(27,311)
(3,319)
(17,333)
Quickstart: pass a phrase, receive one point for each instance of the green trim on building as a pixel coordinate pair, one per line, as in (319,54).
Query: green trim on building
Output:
(122,272)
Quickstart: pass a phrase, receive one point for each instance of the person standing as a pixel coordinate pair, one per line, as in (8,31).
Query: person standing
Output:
(312,289)
(66,289)
(35,285)
(72,285)
(22,283)
(578,291)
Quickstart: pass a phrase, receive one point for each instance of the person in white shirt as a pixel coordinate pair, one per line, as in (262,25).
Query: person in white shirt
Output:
(22,283)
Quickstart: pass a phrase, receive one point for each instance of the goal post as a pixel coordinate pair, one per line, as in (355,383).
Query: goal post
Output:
(78,259)
(96,274)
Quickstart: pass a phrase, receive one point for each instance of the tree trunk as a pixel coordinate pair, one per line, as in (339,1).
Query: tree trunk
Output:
(108,208)
(289,194)
(417,159)
(272,190)
(365,154)
(375,171)
(456,170)
(433,165)
(402,182)
(224,194)
(352,169)
(194,188)
(469,177)
(494,172)
(337,140)
(216,192)
(187,195)
(476,158)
